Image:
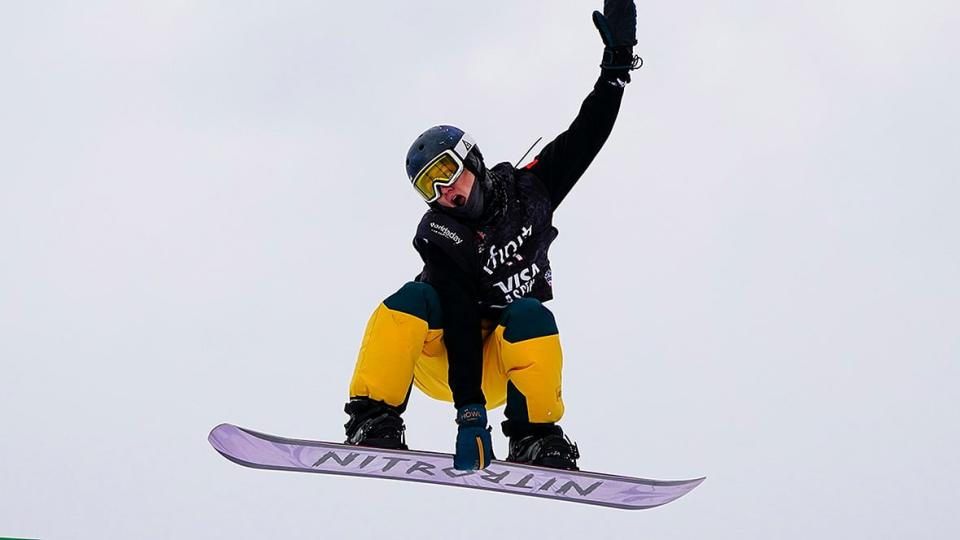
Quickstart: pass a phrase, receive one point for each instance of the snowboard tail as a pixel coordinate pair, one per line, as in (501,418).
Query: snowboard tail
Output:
(261,451)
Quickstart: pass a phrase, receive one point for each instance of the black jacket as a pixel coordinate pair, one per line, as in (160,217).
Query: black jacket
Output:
(479,270)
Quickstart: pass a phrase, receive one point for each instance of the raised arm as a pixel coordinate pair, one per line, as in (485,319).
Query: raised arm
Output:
(563,161)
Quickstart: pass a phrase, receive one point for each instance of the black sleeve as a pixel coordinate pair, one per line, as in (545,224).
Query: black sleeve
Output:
(459,301)
(561,163)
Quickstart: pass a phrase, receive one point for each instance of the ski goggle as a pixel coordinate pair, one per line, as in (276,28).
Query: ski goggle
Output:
(443,170)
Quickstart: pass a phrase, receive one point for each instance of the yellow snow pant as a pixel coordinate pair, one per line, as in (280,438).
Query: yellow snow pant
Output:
(403,345)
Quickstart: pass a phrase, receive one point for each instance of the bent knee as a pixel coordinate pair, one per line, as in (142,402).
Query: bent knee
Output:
(418,299)
(527,318)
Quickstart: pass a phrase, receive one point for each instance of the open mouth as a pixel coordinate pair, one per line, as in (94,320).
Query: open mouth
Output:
(459,200)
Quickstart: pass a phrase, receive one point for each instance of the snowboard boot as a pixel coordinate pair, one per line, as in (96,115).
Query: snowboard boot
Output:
(374,423)
(546,448)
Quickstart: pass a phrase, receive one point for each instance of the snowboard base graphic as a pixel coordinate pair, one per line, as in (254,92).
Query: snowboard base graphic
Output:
(261,451)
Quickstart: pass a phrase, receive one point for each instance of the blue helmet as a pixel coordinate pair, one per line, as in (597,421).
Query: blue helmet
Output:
(437,158)
(437,140)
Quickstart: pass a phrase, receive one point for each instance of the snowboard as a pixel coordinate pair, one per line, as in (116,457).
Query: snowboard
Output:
(261,451)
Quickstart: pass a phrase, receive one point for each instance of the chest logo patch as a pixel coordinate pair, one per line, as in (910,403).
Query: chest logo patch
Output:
(503,255)
(445,232)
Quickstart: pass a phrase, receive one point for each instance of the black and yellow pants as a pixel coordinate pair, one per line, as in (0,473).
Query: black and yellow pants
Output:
(403,346)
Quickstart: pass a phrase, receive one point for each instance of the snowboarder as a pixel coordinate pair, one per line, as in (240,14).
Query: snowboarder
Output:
(472,327)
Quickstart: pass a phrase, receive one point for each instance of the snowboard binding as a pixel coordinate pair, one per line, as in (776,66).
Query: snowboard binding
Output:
(375,424)
(553,450)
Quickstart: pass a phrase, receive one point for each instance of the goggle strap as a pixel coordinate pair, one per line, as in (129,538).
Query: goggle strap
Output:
(464,145)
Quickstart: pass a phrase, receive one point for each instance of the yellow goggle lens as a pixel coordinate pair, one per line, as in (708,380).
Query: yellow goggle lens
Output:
(440,172)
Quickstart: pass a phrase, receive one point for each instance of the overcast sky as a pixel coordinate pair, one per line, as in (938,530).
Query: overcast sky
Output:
(757,281)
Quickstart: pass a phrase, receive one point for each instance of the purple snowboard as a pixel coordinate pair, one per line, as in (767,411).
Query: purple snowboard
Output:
(260,451)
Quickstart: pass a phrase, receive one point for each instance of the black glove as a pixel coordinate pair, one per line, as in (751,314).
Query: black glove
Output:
(618,30)
(474,448)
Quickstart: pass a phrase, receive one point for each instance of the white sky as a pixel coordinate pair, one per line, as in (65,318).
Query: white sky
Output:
(757,281)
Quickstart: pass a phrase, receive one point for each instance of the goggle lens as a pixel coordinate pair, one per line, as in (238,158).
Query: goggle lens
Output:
(441,172)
